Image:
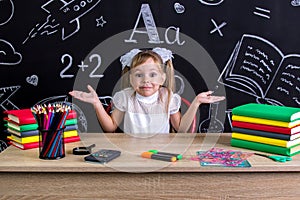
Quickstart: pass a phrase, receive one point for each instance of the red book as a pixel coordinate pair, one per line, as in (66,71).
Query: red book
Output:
(72,114)
(25,116)
(72,139)
(268,128)
(22,116)
(25,146)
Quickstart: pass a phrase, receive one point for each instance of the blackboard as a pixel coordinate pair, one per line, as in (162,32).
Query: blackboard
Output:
(49,47)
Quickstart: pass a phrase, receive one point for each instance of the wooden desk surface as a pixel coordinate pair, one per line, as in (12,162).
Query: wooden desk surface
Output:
(25,176)
(16,160)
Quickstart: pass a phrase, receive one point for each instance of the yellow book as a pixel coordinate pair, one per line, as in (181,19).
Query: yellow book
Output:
(24,140)
(266,140)
(265,121)
(70,133)
(35,138)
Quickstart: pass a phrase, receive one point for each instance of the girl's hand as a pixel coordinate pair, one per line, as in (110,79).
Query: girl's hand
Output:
(89,97)
(206,97)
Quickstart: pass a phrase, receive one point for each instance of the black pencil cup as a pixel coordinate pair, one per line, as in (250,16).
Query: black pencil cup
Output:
(51,144)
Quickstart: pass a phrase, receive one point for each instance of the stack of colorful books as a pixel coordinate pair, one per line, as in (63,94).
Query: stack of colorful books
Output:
(24,132)
(266,128)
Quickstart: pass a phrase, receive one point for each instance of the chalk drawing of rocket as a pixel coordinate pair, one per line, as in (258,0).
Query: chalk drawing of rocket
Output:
(63,15)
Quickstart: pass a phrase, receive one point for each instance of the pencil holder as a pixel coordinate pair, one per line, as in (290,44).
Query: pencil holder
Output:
(51,144)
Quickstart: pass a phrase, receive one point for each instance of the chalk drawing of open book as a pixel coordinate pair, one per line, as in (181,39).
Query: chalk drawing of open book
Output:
(257,67)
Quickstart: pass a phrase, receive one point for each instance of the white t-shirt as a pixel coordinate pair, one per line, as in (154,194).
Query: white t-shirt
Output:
(146,114)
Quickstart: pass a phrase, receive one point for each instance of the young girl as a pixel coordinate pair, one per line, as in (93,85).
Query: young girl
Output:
(146,103)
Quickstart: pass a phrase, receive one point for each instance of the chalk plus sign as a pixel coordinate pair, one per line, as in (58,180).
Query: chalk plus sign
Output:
(218,28)
(82,66)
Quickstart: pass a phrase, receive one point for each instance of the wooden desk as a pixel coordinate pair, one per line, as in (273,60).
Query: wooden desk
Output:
(26,176)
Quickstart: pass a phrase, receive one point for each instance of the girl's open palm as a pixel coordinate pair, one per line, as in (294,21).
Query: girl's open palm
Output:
(206,97)
(89,97)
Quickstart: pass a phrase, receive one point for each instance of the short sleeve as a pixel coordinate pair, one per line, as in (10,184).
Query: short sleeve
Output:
(120,101)
(175,103)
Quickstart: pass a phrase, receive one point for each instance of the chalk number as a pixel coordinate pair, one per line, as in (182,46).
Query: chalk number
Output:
(68,60)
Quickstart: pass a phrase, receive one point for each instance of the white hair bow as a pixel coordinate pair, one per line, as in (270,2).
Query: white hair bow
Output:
(126,59)
(164,53)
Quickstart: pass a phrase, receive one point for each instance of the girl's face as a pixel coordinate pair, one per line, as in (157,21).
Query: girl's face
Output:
(147,78)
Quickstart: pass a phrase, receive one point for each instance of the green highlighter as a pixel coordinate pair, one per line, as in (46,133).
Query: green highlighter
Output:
(275,158)
(178,156)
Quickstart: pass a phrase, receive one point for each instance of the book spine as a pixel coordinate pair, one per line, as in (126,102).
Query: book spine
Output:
(71,139)
(265,111)
(72,114)
(261,113)
(70,133)
(264,121)
(26,146)
(261,133)
(259,147)
(71,127)
(35,138)
(70,122)
(26,127)
(26,134)
(21,117)
(25,140)
(265,140)
(25,116)
(23,134)
(36,144)
(262,127)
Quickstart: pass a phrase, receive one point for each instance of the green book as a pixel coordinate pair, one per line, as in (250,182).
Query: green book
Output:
(265,147)
(21,128)
(70,122)
(265,111)
(28,127)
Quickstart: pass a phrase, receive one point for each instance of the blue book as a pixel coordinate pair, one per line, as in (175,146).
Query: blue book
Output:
(71,127)
(23,133)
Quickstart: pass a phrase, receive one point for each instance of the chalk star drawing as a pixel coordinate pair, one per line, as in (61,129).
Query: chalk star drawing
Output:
(5,94)
(82,66)
(100,21)
(218,28)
